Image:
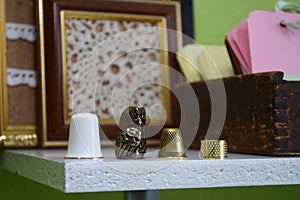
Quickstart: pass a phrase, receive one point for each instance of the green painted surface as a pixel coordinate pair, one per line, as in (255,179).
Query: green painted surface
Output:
(14,187)
(213,19)
(235,193)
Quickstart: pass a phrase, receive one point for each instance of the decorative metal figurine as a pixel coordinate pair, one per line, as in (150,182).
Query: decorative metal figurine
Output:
(131,141)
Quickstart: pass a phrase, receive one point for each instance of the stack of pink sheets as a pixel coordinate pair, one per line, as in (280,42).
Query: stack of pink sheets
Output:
(261,44)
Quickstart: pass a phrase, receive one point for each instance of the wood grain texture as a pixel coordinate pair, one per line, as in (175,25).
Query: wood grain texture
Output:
(262,117)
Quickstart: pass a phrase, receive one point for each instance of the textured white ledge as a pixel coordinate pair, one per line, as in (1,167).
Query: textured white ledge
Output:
(109,174)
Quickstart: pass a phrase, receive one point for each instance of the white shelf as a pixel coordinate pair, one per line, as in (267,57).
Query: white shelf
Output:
(110,174)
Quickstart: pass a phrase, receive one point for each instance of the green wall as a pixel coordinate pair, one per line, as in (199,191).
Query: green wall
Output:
(213,19)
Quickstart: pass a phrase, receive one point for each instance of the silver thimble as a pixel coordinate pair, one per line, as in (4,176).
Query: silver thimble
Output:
(84,137)
(171,144)
(213,149)
(2,138)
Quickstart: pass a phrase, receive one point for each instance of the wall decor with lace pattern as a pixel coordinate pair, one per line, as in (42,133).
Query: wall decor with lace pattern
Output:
(100,57)
(18,74)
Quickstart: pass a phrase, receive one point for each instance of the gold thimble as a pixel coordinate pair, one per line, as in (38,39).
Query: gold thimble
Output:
(213,149)
(171,144)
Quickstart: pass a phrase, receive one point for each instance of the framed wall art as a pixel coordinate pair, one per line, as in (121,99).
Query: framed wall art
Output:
(18,85)
(101,56)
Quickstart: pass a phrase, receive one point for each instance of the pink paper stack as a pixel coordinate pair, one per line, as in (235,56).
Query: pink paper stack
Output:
(261,44)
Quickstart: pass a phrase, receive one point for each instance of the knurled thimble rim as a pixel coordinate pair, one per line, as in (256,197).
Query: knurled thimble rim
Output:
(182,157)
(83,158)
(213,149)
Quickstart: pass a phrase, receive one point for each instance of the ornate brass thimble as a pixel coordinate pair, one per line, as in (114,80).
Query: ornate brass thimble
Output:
(213,149)
(171,144)
(131,140)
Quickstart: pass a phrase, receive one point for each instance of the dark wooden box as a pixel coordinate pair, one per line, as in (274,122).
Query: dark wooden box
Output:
(262,117)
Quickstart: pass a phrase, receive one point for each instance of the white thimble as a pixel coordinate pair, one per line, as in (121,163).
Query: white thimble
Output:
(84,138)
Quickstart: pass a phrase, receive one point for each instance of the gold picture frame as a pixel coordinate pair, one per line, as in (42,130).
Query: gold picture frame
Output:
(11,134)
(57,15)
(160,22)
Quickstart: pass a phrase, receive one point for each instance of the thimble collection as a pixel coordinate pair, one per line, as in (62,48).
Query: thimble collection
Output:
(131,140)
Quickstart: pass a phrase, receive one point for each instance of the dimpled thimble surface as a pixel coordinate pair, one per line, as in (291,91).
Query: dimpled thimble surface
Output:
(171,144)
(213,149)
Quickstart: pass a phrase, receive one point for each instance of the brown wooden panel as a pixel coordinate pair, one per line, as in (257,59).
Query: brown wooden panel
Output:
(262,114)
